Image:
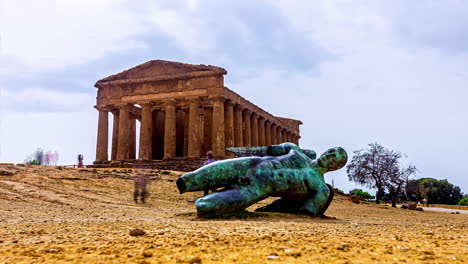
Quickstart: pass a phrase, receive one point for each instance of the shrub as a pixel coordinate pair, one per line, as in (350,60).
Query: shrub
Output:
(359,192)
(463,201)
(33,162)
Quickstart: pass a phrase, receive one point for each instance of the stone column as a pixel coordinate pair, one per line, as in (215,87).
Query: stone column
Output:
(261,131)
(186,130)
(102,135)
(274,139)
(194,146)
(254,127)
(132,137)
(146,132)
(279,138)
(123,149)
(229,124)
(170,130)
(218,127)
(247,131)
(267,133)
(115,134)
(208,129)
(238,133)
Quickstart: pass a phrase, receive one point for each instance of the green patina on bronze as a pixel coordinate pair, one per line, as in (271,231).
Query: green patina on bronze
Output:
(283,170)
(275,150)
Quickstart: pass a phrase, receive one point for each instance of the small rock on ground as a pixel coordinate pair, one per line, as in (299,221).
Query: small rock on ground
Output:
(137,232)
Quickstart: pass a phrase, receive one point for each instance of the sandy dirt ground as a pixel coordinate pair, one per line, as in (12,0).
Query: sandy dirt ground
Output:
(84,216)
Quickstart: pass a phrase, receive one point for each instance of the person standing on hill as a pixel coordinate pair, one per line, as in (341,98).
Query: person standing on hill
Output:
(80,161)
(210,156)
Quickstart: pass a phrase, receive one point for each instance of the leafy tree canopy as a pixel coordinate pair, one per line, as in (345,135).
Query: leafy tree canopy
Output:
(359,192)
(380,168)
(434,190)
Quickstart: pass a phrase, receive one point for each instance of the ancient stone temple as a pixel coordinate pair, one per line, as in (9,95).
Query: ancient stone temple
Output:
(184,110)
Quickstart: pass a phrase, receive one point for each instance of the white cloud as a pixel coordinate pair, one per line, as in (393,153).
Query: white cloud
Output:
(378,88)
(69,133)
(185,26)
(43,100)
(44,35)
(338,26)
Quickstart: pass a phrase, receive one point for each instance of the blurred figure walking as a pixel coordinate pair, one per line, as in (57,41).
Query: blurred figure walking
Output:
(140,181)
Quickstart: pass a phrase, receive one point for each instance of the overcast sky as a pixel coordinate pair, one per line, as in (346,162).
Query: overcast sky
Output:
(355,72)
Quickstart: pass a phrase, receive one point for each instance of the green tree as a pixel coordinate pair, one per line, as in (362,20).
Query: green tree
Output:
(359,192)
(463,201)
(380,168)
(412,191)
(366,168)
(439,191)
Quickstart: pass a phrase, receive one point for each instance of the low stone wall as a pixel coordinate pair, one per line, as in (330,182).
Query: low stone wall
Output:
(175,164)
(446,206)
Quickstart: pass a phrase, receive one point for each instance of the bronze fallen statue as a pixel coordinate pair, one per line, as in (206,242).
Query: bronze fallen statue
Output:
(283,170)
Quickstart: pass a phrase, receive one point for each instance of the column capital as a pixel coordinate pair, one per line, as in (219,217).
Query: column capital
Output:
(229,102)
(238,107)
(255,115)
(247,111)
(146,104)
(103,108)
(261,118)
(115,110)
(267,121)
(123,106)
(170,102)
(217,98)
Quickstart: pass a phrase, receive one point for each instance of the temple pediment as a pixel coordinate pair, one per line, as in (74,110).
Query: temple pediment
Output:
(160,70)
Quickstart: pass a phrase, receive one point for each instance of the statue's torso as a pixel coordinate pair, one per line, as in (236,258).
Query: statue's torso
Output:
(286,176)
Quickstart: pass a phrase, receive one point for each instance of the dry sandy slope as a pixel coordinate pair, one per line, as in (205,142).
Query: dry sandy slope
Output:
(84,216)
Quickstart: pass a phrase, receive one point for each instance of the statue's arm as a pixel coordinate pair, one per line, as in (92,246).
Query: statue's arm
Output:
(285,148)
(314,204)
(281,149)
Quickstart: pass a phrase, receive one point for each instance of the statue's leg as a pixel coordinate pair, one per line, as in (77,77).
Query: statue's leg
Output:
(217,174)
(329,200)
(282,205)
(227,201)
(317,204)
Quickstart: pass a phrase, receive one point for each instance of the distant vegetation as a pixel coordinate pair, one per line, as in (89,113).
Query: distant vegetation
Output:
(463,201)
(33,162)
(359,192)
(380,168)
(434,191)
(339,191)
(39,157)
